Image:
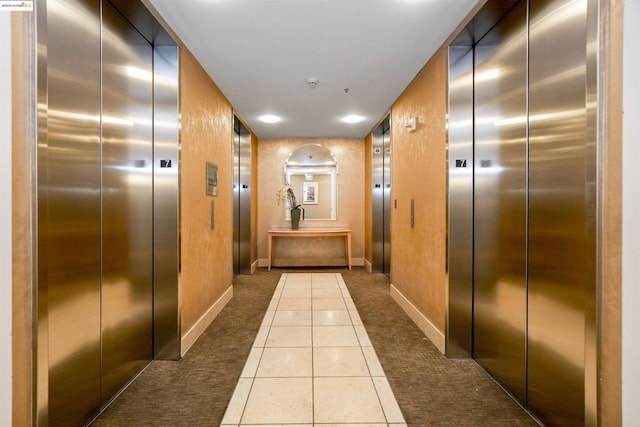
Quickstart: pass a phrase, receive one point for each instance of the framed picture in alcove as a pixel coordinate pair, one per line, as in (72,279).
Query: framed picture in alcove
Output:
(310,193)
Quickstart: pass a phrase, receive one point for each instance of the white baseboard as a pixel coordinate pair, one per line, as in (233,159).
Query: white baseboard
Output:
(425,325)
(357,262)
(254,266)
(203,323)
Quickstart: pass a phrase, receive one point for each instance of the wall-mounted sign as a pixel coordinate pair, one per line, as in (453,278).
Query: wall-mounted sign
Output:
(212,179)
(461,163)
(165,163)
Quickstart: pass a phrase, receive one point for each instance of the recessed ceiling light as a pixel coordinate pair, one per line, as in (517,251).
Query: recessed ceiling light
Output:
(352,119)
(269,118)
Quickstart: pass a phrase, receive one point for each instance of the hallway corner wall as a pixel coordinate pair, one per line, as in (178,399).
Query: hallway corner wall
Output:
(610,397)
(22,192)
(5,218)
(206,258)
(631,210)
(418,258)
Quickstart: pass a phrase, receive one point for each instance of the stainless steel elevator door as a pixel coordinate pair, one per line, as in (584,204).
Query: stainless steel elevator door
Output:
(166,191)
(244,255)
(460,127)
(236,196)
(381,198)
(72,222)
(241,199)
(500,202)
(561,211)
(386,225)
(532,150)
(127,224)
(377,200)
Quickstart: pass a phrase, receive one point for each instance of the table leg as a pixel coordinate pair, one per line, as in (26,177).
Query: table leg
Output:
(269,246)
(349,250)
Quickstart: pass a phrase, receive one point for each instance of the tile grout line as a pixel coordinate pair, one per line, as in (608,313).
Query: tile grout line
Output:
(351,312)
(384,412)
(283,279)
(362,351)
(255,373)
(313,380)
(354,330)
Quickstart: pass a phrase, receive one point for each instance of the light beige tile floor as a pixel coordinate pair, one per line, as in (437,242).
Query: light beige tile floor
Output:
(312,363)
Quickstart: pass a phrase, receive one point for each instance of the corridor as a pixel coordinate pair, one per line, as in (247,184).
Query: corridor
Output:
(429,389)
(476,155)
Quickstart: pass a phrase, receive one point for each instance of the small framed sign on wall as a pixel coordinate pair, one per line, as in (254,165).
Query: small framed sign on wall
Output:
(212,179)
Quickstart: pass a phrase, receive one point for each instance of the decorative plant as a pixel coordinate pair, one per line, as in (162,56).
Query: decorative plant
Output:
(285,195)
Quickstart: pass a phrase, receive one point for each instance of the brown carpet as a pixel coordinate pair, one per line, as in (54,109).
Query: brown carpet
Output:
(431,389)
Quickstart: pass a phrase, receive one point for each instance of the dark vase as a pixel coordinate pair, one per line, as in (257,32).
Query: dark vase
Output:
(295,218)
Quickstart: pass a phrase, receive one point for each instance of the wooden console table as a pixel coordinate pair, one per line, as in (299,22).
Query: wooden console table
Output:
(308,232)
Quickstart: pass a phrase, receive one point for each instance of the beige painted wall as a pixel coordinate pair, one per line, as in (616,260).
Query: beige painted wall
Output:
(418,255)
(272,155)
(23,188)
(206,136)
(610,315)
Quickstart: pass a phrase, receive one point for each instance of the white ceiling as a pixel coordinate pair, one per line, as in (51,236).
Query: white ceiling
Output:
(260,52)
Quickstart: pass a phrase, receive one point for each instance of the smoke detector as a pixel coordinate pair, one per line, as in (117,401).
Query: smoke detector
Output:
(312,82)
